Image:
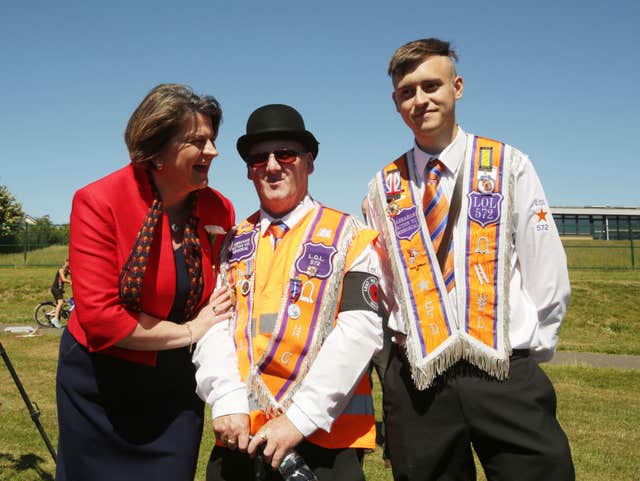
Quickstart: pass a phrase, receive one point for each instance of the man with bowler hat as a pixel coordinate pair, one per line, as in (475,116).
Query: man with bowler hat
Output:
(290,369)
(479,290)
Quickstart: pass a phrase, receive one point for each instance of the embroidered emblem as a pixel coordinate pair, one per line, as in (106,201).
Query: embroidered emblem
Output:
(542,215)
(308,288)
(242,247)
(297,331)
(482,301)
(483,245)
(423,285)
(316,260)
(428,306)
(481,274)
(285,358)
(406,223)
(370,292)
(484,209)
(325,233)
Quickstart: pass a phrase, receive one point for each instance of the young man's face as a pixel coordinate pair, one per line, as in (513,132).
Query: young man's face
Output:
(280,186)
(426,99)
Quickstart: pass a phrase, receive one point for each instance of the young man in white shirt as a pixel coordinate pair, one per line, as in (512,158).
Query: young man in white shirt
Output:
(478,286)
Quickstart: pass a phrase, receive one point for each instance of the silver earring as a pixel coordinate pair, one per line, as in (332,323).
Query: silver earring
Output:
(159,165)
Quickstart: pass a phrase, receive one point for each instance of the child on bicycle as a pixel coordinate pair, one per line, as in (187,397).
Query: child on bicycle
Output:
(57,289)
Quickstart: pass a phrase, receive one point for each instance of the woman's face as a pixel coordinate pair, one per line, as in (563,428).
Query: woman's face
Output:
(186,160)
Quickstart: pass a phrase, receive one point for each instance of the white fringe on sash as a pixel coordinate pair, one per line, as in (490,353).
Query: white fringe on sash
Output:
(423,370)
(459,345)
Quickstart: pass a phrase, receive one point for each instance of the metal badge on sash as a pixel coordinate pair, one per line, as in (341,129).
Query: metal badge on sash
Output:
(393,208)
(293,311)
(392,184)
(295,288)
(486,184)
(245,286)
(485,162)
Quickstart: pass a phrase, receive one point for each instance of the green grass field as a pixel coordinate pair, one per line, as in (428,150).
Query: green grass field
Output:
(600,409)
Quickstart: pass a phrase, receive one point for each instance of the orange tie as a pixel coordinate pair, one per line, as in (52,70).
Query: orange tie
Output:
(277,229)
(436,212)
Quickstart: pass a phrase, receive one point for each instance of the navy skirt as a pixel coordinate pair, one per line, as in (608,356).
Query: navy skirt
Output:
(119,420)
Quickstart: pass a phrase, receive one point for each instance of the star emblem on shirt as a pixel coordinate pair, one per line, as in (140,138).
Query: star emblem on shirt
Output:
(542,215)
(423,285)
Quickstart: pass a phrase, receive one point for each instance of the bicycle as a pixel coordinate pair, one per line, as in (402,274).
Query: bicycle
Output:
(44,312)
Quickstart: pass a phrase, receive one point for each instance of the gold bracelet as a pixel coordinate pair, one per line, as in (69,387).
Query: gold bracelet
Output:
(186,324)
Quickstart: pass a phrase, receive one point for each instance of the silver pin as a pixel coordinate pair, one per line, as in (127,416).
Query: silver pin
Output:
(293,311)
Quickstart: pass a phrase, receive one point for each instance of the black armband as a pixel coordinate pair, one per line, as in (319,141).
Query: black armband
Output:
(359,292)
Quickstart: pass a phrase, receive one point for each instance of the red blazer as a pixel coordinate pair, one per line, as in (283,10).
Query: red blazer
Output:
(105,219)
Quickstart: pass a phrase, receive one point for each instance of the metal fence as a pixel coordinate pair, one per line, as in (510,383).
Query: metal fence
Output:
(40,243)
(600,254)
(47,245)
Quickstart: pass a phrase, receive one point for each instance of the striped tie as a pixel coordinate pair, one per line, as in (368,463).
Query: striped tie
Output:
(277,229)
(436,212)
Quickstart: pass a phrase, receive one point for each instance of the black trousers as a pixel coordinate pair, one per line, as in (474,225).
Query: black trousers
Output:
(511,424)
(327,464)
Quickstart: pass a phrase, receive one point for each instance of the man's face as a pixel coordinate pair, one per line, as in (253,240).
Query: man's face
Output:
(280,186)
(426,99)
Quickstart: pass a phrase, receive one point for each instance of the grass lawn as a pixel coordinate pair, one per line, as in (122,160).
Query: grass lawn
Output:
(599,409)
(603,315)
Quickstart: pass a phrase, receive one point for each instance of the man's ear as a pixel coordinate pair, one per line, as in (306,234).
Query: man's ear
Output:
(310,165)
(249,173)
(458,86)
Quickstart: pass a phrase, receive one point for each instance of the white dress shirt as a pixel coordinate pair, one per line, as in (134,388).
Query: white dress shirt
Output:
(328,385)
(539,280)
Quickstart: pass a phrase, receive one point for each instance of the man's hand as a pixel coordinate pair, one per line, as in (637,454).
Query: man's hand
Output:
(279,437)
(233,430)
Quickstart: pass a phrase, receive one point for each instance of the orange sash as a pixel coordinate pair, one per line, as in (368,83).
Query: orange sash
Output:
(439,334)
(286,305)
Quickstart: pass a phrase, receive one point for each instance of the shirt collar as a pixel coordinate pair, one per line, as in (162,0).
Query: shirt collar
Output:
(290,219)
(451,156)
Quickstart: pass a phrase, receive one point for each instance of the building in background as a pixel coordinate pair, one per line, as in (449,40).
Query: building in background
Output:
(599,223)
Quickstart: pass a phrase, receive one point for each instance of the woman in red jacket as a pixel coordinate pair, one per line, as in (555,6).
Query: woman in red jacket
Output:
(143,250)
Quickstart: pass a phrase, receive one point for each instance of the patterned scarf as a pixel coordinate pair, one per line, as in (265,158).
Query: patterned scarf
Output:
(132,274)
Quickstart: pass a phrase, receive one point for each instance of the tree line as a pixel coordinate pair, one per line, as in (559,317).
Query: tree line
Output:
(16,234)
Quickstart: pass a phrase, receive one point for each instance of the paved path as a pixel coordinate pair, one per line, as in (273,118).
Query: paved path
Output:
(616,361)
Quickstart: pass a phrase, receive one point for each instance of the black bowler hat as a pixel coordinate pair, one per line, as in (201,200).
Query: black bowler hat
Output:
(276,121)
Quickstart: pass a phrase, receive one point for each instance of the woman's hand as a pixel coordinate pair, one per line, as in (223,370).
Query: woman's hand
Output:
(218,309)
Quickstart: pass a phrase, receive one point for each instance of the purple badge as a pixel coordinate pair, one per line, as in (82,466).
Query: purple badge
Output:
(242,247)
(316,260)
(484,208)
(406,223)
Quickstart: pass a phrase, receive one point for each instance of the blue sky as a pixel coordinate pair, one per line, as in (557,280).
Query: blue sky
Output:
(558,79)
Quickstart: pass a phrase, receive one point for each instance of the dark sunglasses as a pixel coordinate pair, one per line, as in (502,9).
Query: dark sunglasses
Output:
(283,156)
